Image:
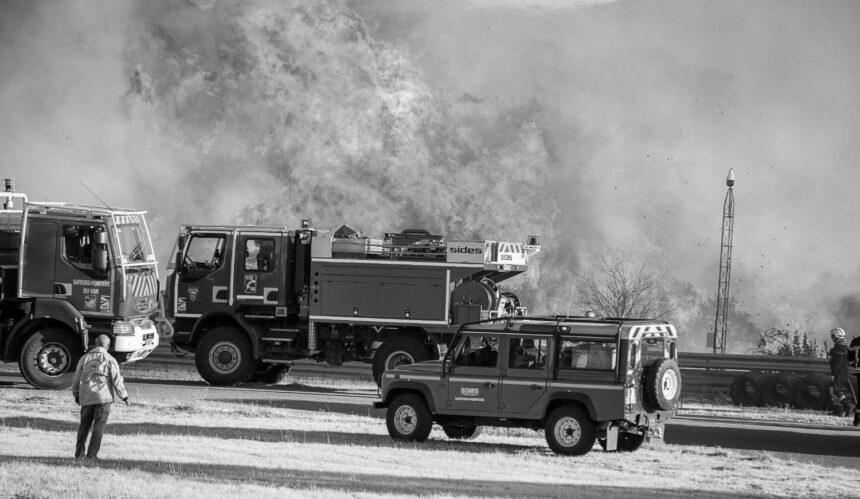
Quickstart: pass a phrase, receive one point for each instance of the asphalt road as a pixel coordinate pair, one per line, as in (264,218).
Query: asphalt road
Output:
(833,446)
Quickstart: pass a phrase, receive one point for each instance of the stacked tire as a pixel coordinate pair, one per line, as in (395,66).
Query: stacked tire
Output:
(780,390)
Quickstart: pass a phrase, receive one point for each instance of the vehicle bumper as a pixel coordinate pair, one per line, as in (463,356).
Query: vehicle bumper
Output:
(380,405)
(139,344)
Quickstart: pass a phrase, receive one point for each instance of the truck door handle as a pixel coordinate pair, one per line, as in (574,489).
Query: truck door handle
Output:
(489,385)
(536,387)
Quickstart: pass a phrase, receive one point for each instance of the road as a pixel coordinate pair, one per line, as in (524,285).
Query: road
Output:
(839,446)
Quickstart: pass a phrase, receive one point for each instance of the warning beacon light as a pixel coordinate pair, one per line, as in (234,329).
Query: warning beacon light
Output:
(730,179)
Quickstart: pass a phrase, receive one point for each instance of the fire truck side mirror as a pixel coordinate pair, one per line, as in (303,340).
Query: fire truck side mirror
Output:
(100,252)
(100,259)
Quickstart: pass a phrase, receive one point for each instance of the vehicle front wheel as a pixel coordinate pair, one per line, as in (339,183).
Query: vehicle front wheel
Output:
(49,358)
(408,418)
(570,431)
(223,357)
(461,431)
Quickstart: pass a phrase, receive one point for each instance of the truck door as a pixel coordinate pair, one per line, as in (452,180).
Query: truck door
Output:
(40,255)
(524,384)
(76,280)
(204,277)
(259,269)
(473,378)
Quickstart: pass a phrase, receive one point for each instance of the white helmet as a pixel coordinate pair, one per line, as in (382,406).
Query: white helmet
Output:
(837,333)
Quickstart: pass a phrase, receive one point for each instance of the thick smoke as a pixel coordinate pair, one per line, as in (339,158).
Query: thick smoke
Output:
(602,128)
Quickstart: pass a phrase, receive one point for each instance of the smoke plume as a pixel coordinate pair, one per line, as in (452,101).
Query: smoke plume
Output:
(604,128)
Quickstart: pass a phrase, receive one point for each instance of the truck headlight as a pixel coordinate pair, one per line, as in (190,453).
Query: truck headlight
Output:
(121,328)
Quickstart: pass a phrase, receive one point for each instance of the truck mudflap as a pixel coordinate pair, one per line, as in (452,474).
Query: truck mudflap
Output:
(137,344)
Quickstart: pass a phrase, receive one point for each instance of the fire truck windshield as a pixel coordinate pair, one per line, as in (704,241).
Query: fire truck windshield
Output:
(133,244)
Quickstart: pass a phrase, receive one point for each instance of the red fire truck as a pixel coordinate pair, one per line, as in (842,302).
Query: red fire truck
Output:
(67,274)
(249,300)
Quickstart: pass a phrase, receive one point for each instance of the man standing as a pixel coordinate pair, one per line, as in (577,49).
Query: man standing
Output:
(97,380)
(844,398)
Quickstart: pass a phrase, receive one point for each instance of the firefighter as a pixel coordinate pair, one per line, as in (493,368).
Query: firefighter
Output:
(842,393)
(96,383)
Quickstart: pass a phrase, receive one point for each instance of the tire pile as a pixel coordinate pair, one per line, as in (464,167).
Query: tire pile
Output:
(781,390)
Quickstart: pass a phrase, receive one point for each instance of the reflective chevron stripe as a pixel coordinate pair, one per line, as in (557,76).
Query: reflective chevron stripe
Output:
(143,284)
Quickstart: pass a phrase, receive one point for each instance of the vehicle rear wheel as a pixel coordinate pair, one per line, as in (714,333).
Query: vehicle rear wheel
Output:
(663,385)
(223,357)
(49,358)
(570,431)
(408,418)
(270,374)
(461,431)
(397,351)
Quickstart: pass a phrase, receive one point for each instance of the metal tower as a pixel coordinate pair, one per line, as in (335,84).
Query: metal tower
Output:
(717,339)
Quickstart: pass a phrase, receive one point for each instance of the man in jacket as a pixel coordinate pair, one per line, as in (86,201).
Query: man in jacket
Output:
(96,383)
(843,396)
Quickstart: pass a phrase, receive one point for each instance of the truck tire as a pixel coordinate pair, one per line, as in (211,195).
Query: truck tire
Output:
(396,351)
(223,357)
(627,442)
(746,389)
(811,392)
(778,390)
(662,385)
(570,431)
(49,358)
(461,431)
(270,374)
(408,418)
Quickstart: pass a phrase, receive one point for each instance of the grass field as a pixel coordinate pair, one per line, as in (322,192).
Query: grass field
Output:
(201,449)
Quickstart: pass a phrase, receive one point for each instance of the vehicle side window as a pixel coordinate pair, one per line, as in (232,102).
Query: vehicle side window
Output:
(587,354)
(478,351)
(205,251)
(78,244)
(260,255)
(527,353)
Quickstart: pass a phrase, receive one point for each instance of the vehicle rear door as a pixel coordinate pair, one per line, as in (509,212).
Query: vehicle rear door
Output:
(524,376)
(473,377)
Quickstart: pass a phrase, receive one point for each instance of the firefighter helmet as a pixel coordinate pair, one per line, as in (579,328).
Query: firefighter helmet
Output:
(838,334)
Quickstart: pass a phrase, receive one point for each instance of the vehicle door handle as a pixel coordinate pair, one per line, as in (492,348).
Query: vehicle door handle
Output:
(536,387)
(489,385)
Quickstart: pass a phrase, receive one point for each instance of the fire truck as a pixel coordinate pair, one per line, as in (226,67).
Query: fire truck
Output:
(69,273)
(250,300)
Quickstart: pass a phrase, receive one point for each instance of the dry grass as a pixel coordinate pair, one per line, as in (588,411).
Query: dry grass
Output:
(764,414)
(202,448)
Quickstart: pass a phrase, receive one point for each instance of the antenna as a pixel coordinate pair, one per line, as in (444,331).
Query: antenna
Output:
(717,339)
(97,196)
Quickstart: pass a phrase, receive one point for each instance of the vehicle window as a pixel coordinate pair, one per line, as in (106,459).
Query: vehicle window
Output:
(653,348)
(133,244)
(527,353)
(260,255)
(78,243)
(478,351)
(205,252)
(587,354)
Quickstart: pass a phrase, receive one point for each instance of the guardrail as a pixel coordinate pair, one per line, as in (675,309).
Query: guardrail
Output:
(687,361)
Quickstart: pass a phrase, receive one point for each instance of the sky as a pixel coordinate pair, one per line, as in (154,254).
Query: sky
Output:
(606,127)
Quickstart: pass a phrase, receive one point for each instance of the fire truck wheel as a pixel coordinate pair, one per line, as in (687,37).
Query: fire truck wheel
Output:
(397,351)
(49,358)
(462,431)
(570,431)
(271,374)
(408,418)
(663,385)
(223,357)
